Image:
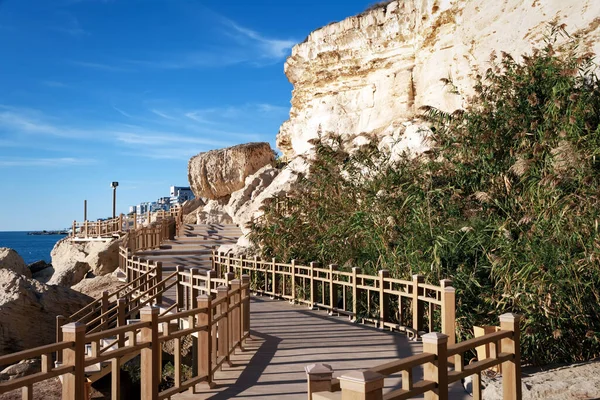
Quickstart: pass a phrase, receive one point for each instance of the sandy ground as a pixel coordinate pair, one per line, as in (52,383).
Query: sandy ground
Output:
(569,382)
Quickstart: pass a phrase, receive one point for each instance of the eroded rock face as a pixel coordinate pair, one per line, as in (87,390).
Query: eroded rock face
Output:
(12,261)
(71,261)
(214,212)
(28,310)
(218,173)
(364,76)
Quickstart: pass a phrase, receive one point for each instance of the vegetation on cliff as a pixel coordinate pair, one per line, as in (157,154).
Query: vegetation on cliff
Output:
(506,204)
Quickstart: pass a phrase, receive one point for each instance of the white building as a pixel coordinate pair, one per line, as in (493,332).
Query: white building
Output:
(180,194)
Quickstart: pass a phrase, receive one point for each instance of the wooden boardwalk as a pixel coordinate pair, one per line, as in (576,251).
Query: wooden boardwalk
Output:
(286,338)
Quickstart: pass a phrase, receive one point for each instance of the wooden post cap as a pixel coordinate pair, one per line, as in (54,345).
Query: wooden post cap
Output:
(149,310)
(419,278)
(245,278)
(361,381)
(203,297)
(445,283)
(449,289)
(384,273)
(73,327)
(319,372)
(235,282)
(222,289)
(510,317)
(435,338)
(357,269)
(333,267)
(211,273)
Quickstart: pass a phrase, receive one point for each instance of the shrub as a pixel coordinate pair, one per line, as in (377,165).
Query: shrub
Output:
(506,204)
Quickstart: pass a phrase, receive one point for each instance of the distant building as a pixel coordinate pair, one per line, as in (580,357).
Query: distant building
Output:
(180,194)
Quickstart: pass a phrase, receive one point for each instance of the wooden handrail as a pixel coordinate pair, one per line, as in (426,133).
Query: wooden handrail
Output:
(434,360)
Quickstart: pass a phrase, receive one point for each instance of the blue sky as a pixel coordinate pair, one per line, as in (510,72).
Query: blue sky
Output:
(94,91)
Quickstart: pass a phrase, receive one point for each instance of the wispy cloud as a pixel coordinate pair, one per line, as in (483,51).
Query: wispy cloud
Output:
(26,121)
(270,48)
(70,25)
(162,114)
(44,162)
(164,139)
(245,46)
(123,113)
(54,84)
(100,66)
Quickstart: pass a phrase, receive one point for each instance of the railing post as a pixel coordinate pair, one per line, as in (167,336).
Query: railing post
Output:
(161,288)
(333,294)
(355,292)
(245,306)
(104,309)
(120,226)
(223,335)
(235,335)
(73,229)
(73,386)
(362,385)
(85,224)
(448,310)
(417,306)
(150,357)
(204,339)
(384,298)
(293,281)
(228,278)
(179,289)
(318,377)
(437,371)
(121,304)
(273,277)
(212,259)
(511,370)
(312,285)
(194,272)
(60,321)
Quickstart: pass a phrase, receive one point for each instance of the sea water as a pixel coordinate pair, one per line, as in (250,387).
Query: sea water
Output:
(31,247)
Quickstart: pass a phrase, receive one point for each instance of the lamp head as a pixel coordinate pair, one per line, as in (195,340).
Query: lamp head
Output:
(114,184)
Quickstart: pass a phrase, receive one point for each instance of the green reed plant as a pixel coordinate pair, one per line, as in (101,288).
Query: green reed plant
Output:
(506,204)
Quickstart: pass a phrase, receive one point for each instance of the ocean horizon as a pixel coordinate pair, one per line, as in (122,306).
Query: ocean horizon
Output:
(31,247)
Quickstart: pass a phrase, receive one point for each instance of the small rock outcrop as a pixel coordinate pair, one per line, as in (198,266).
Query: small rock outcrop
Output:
(38,266)
(21,369)
(218,173)
(94,287)
(28,310)
(71,261)
(12,261)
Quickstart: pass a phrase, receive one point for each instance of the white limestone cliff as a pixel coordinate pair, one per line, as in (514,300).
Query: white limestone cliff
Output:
(366,75)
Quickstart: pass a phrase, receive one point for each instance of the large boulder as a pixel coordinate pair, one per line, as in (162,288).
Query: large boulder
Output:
(28,310)
(11,260)
(72,260)
(218,173)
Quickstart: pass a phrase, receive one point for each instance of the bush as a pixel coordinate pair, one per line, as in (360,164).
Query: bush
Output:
(506,205)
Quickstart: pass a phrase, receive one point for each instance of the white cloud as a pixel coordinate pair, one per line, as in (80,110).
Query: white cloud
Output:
(54,84)
(123,113)
(44,162)
(162,114)
(99,66)
(270,48)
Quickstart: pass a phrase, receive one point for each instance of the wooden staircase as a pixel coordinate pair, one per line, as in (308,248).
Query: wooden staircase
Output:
(192,247)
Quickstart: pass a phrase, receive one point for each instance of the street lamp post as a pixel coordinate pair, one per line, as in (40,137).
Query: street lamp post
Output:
(114,186)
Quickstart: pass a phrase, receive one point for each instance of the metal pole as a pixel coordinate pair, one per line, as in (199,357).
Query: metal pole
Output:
(85,210)
(114,202)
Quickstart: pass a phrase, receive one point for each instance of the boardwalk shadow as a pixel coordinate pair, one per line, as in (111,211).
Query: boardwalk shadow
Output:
(254,368)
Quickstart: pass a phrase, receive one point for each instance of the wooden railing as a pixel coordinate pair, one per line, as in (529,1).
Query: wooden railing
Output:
(411,306)
(123,223)
(91,229)
(221,324)
(437,356)
(152,236)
